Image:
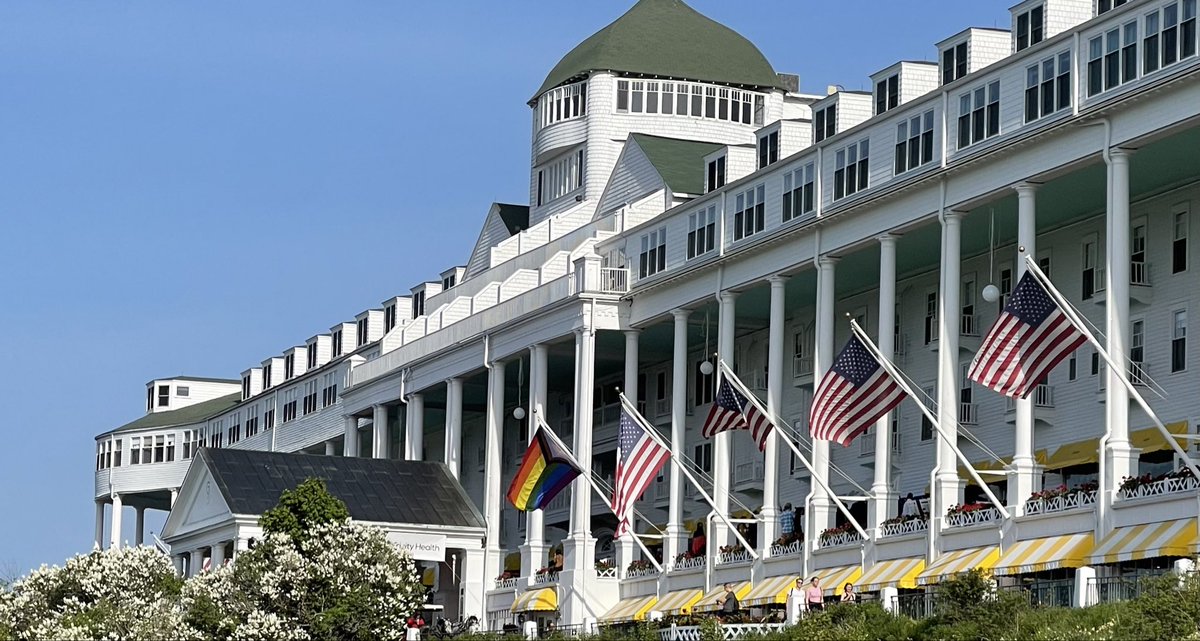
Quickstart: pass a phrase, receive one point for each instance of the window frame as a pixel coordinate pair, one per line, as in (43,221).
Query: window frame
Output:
(749,212)
(799,192)
(702,231)
(653,257)
(851,172)
(914,151)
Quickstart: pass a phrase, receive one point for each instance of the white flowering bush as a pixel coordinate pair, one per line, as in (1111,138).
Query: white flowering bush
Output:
(127,593)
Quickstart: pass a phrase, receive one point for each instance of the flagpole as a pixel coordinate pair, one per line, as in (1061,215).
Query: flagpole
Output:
(891,370)
(686,472)
(1031,265)
(587,476)
(795,449)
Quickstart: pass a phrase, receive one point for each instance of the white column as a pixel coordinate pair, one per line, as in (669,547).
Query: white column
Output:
(1027,479)
(195,562)
(722,450)
(240,545)
(579,550)
(217,552)
(948,490)
(676,537)
(414,428)
(769,530)
(351,437)
(179,562)
(115,522)
(883,495)
(820,512)
(533,553)
(494,442)
(1116,397)
(454,391)
(330,448)
(379,431)
(139,525)
(99,523)
(625,545)
(474,582)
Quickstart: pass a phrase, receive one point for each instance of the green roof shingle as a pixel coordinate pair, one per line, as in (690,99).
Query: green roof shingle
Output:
(680,163)
(669,39)
(182,416)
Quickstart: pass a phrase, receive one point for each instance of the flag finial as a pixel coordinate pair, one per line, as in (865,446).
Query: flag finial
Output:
(1021,249)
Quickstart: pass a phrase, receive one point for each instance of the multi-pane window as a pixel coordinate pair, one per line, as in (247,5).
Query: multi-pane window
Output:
(269,417)
(914,142)
(310,397)
(1179,340)
(289,405)
(449,281)
(1137,343)
(562,103)
(329,390)
(1048,86)
(1170,35)
(702,231)
(931,317)
(245,387)
(164,395)
(824,123)
(418,304)
(887,94)
(799,191)
(1137,255)
(191,443)
(979,114)
(1031,27)
(1112,58)
(252,421)
(768,149)
(560,177)
(266,374)
(705,386)
(653,257)
(389,321)
(235,432)
(703,457)
(690,99)
(1104,6)
(289,366)
(1006,285)
(954,63)
(850,173)
(1179,244)
(311,356)
(1091,268)
(749,213)
(361,331)
(337,343)
(716,174)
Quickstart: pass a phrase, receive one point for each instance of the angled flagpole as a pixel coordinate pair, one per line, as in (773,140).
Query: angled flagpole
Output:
(637,416)
(900,380)
(737,382)
(587,476)
(1032,267)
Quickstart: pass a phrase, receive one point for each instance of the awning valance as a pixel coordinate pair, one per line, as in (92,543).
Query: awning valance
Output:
(678,603)
(771,591)
(959,561)
(1146,541)
(900,573)
(834,579)
(631,609)
(712,601)
(538,600)
(1049,553)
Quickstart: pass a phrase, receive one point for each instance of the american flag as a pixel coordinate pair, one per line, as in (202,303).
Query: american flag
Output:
(852,395)
(639,458)
(1030,337)
(733,411)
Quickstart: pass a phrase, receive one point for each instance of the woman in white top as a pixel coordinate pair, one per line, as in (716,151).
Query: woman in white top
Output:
(795,601)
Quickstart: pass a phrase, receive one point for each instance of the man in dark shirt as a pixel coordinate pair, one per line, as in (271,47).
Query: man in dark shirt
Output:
(729,602)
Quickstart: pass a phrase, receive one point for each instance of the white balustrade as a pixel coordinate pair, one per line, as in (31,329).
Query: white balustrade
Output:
(911,526)
(974,517)
(1160,488)
(740,555)
(970,325)
(1071,501)
(690,564)
(1043,397)
(545,578)
(502,584)
(840,539)
(802,366)
(606,573)
(614,280)
(641,572)
(729,631)
(795,547)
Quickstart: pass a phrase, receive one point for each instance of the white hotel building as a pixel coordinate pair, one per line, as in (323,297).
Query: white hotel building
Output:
(685,200)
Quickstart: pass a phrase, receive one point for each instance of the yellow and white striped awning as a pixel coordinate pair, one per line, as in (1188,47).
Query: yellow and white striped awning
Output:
(1146,541)
(834,579)
(538,600)
(771,591)
(900,573)
(678,603)
(712,601)
(1050,553)
(959,561)
(631,609)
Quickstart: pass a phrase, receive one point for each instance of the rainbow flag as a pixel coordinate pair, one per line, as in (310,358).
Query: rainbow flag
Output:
(545,470)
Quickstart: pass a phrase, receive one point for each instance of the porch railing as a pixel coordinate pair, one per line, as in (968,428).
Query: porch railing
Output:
(802,366)
(975,517)
(1111,589)
(1054,594)
(911,526)
(795,547)
(689,564)
(1072,501)
(840,539)
(614,280)
(915,606)
(740,555)
(728,632)
(1043,397)
(545,578)
(502,584)
(1160,488)
(968,413)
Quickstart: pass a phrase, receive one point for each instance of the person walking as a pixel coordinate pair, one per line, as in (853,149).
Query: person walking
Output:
(848,594)
(814,596)
(729,603)
(795,602)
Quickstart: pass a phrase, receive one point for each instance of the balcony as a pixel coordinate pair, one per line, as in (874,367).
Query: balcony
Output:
(902,527)
(614,280)
(1070,501)
(1043,405)
(788,549)
(1141,288)
(734,556)
(1138,375)
(748,476)
(607,415)
(546,578)
(968,414)
(689,563)
(973,517)
(866,444)
(1178,483)
(506,584)
(802,370)
(839,539)
(641,572)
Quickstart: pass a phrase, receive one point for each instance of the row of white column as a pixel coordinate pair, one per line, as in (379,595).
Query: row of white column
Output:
(115,524)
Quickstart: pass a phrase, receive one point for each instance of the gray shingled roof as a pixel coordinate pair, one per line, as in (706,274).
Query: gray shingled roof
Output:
(680,163)
(183,416)
(379,490)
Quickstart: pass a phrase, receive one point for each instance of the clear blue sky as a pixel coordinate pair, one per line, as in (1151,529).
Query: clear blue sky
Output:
(190,187)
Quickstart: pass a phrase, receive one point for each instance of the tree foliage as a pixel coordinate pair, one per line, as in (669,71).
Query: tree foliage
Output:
(301,510)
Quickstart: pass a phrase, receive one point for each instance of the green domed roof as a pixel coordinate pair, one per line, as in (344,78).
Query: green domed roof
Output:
(669,39)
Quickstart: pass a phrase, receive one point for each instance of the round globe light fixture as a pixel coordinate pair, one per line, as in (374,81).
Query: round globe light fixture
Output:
(706,368)
(519,413)
(991,293)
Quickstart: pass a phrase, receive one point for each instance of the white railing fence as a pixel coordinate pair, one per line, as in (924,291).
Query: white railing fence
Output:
(975,517)
(840,539)
(795,547)
(1160,488)
(1071,501)
(911,526)
(729,632)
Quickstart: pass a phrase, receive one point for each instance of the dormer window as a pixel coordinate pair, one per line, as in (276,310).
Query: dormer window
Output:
(418,304)
(1030,27)
(716,173)
(289,366)
(337,343)
(1104,6)
(389,318)
(825,123)
(449,281)
(164,395)
(312,356)
(562,103)
(768,149)
(149,398)
(362,332)
(954,63)
(887,94)
(266,374)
